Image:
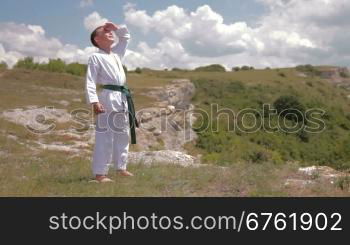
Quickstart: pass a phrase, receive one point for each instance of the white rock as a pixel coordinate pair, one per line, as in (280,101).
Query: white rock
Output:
(162,157)
(35,117)
(146,117)
(308,170)
(171,108)
(299,183)
(157,132)
(148,127)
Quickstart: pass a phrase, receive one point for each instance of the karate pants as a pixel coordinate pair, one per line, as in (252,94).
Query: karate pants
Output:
(111,142)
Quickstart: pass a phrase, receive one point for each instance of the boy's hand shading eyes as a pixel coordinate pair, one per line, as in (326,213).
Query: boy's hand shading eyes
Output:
(109,26)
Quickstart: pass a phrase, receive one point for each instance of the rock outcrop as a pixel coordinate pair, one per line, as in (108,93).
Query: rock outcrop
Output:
(168,125)
(163,131)
(163,157)
(315,174)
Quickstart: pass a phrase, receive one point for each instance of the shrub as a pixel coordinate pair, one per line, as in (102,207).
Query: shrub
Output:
(259,156)
(347,116)
(303,135)
(56,65)
(76,69)
(282,74)
(287,105)
(343,183)
(211,68)
(310,84)
(236,68)
(26,63)
(308,69)
(138,70)
(245,68)
(3,65)
(344,74)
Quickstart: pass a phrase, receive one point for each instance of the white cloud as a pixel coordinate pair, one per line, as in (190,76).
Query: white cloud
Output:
(201,32)
(20,40)
(86,3)
(168,53)
(93,21)
(10,58)
(292,32)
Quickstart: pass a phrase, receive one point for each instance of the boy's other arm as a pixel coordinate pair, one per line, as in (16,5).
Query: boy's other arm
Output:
(91,77)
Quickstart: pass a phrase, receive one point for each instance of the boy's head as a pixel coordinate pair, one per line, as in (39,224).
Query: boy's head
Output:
(102,37)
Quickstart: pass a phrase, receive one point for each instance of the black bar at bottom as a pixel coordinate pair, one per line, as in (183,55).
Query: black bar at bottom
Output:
(214,220)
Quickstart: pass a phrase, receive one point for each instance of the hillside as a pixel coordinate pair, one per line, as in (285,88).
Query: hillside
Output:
(233,163)
(329,145)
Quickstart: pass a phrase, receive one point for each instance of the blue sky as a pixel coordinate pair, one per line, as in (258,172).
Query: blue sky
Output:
(64,19)
(182,33)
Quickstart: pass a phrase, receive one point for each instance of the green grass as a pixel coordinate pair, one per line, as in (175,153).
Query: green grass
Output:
(53,174)
(254,165)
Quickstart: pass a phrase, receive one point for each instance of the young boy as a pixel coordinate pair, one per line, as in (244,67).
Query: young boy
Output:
(113,105)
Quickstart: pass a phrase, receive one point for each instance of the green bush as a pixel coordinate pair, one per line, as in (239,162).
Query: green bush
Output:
(303,135)
(344,74)
(26,63)
(288,105)
(245,68)
(282,74)
(138,70)
(178,69)
(236,68)
(308,70)
(76,69)
(211,68)
(54,65)
(259,156)
(3,65)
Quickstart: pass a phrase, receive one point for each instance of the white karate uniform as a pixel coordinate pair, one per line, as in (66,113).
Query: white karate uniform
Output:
(112,127)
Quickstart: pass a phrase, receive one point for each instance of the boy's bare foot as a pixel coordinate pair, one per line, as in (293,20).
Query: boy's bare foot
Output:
(124,173)
(102,179)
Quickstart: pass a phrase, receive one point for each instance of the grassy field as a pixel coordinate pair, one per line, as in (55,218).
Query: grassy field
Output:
(53,174)
(28,172)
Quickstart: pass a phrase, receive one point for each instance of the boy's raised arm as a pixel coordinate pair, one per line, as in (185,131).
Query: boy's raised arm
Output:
(124,38)
(123,35)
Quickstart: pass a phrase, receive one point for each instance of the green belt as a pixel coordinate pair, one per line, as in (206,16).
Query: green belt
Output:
(132,117)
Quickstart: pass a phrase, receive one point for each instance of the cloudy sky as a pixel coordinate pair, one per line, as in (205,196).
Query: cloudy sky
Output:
(182,33)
